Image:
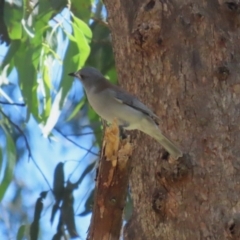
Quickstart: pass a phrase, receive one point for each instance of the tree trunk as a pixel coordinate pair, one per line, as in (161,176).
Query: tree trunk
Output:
(182,59)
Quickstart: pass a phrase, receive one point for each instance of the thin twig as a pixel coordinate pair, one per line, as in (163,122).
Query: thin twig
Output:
(79,165)
(27,145)
(82,134)
(76,144)
(100,21)
(14,104)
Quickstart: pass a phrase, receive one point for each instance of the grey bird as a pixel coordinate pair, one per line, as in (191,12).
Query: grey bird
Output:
(111,102)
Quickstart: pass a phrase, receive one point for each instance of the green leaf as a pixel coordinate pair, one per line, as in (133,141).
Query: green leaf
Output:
(54,114)
(82,41)
(82,9)
(45,12)
(47,91)
(48,49)
(10,53)
(10,163)
(81,26)
(28,56)
(21,232)
(12,18)
(75,57)
(76,109)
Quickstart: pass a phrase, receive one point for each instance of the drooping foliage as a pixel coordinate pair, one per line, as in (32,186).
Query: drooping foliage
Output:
(41,108)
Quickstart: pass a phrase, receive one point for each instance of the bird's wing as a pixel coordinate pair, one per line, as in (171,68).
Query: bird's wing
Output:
(130,100)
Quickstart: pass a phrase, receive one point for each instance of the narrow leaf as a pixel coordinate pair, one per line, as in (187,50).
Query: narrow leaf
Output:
(12,18)
(68,211)
(21,232)
(83,27)
(28,84)
(54,115)
(47,91)
(58,182)
(10,53)
(34,228)
(10,163)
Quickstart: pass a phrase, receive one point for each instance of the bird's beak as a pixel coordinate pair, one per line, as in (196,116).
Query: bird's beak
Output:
(73,74)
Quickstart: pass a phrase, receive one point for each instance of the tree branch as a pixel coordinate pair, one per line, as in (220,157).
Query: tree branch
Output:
(111,186)
(14,104)
(76,144)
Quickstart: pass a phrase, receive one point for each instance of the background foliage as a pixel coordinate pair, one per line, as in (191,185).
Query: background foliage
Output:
(49,136)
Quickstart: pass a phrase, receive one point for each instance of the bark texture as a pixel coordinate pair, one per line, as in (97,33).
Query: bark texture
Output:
(111,187)
(182,58)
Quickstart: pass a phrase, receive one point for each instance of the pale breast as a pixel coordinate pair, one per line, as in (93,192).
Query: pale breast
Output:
(109,108)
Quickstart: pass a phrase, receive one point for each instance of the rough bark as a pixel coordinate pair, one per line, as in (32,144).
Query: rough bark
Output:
(182,59)
(111,187)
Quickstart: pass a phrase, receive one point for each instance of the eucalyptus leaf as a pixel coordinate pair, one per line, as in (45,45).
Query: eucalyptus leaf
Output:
(10,53)
(10,152)
(13,15)
(47,91)
(83,27)
(28,77)
(21,232)
(54,114)
(82,9)
(75,57)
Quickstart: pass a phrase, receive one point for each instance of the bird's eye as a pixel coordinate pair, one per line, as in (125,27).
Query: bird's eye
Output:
(81,76)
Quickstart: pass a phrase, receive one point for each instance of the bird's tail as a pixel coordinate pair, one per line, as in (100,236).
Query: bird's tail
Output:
(173,150)
(152,129)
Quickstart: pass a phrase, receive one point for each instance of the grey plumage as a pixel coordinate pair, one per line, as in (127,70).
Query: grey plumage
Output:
(110,101)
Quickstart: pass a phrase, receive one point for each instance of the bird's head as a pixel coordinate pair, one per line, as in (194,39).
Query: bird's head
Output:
(87,74)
